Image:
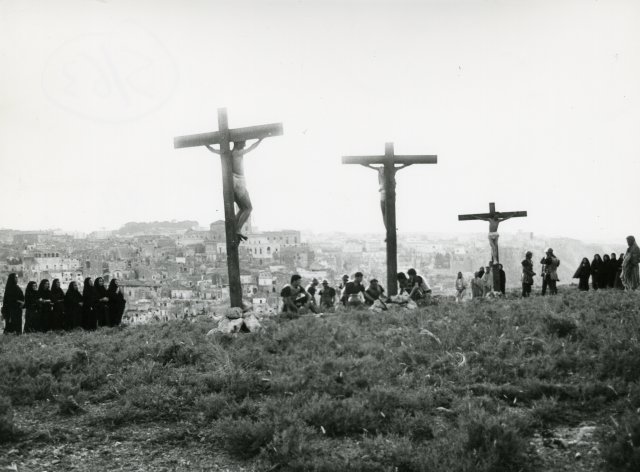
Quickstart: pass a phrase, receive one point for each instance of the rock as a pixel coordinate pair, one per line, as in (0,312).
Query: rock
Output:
(251,323)
(578,456)
(233,313)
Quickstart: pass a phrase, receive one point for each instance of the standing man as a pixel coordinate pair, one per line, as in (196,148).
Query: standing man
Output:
(630,272)
(550,264)
(503,280)
(527,274)
(240,192)
(327,296)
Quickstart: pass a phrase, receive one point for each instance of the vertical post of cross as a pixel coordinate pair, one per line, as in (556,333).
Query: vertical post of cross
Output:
(390,216)
(233,258)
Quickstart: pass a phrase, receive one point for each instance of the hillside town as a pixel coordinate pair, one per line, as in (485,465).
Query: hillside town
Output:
(175,270)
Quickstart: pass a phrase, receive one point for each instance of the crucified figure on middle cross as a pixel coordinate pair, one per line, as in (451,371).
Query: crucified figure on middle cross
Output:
(240,192)
(383,189)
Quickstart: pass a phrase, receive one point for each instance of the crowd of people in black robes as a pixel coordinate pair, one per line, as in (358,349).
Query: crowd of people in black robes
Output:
(604,272)
(47,307)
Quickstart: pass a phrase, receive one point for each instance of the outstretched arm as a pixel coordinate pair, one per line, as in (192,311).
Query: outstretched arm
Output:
(242,152)
(213,150)
(377,169)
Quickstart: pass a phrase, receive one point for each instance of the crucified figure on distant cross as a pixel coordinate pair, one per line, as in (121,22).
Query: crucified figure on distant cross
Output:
(240,192)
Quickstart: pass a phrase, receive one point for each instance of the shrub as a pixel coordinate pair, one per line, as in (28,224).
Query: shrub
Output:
(621,448)
(245,438)
(560,326)
(8,431)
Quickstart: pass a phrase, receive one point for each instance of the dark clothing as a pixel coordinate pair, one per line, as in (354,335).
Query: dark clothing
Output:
(503,282)
(548,281)
(596,266)
(353,289)
(373,293)
(101,305)
(582,274)
(12,304)
(604,274)
(116,307)
(300,296)
(32,320)
(72,310)
(57,312)
(89,320)
(45,310)
(327,297)
(526,289)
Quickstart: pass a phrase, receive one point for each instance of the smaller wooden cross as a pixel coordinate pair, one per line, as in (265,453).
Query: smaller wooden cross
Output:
(386,168)
(494,218)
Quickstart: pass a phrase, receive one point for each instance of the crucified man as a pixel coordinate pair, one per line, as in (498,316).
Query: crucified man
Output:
(494,221)
(383,189)
(240,192)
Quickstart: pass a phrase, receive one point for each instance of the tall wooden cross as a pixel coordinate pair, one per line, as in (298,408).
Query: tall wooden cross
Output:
(386,167)
(223,137)
(494,218)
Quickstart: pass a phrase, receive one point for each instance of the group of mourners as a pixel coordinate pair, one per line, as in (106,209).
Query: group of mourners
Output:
(47,307)
(349,293)
(611,271)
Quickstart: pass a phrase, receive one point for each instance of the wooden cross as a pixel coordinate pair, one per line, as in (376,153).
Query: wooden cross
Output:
(387,170)
(223,137)
(494,218)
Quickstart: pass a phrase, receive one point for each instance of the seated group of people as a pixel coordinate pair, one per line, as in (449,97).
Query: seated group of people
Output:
(351,292)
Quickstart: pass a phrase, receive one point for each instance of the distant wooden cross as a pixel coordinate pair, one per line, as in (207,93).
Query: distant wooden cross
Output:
(386,167)
(224,136)
(494,218)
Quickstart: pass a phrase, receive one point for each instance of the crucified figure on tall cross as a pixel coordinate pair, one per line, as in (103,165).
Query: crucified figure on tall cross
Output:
(382,184)
(240,192)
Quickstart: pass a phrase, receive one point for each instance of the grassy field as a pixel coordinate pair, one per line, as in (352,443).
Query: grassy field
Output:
(503,385)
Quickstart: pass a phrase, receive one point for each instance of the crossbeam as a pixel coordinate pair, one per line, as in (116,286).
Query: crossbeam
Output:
(237,134)
(497,214)
(397,159)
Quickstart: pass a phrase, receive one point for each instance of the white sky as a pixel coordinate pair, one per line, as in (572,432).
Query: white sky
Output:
(532,104)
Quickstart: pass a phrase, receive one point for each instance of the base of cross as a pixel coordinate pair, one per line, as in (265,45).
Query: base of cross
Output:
(496,278)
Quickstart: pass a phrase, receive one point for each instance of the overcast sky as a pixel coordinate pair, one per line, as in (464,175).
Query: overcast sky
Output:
(534,105)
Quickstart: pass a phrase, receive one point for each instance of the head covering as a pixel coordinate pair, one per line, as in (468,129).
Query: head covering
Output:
(549,251)
(113,288)
(44,291)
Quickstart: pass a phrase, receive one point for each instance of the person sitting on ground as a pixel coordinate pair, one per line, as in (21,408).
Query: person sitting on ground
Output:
(375,291)
(403,284)
(327,296)
(343,284)
(294,296)
(354,289)
(311,289)
(461,286)
(419,289)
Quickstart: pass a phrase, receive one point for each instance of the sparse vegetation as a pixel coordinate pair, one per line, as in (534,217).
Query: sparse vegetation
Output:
(448,387)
